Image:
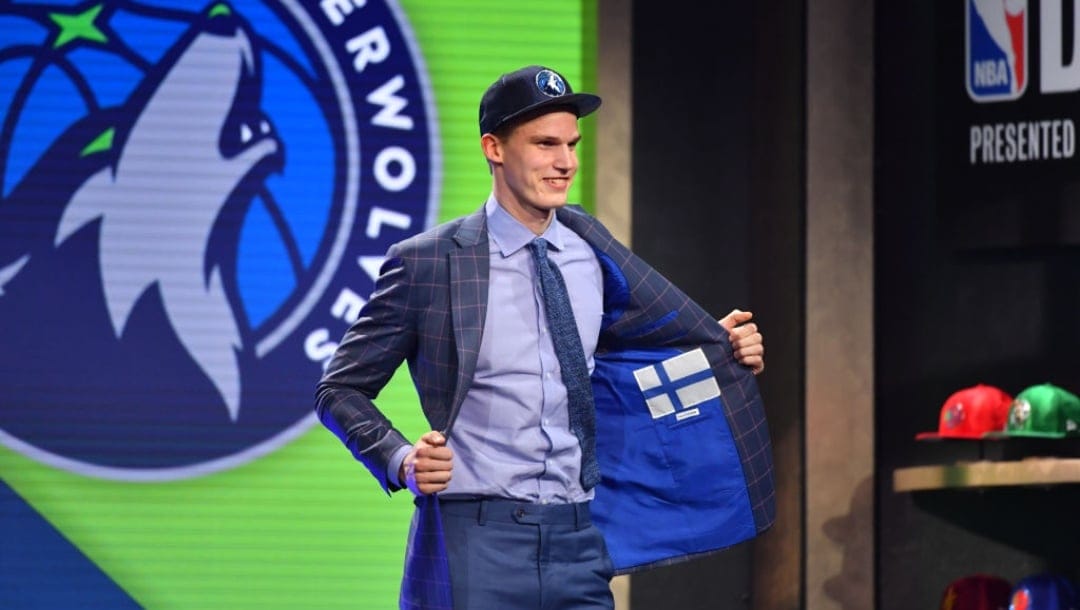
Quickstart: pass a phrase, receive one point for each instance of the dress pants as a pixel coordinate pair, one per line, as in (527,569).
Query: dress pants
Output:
(512,555)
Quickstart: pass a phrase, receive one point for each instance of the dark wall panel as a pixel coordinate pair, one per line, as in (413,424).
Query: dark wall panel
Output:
(692,100)
(690,184)
(948,318)
(718,210)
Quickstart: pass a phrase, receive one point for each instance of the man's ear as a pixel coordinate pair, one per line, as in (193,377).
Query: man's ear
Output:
(492,148)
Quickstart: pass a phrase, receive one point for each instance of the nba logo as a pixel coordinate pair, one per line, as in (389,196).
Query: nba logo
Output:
(996,49)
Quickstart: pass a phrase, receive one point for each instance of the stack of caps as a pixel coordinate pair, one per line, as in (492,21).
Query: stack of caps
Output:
(984,411)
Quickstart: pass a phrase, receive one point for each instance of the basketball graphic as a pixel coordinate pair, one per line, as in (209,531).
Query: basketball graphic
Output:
(185,197)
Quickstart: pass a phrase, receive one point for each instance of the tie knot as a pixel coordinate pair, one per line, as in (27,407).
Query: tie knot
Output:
(539,246)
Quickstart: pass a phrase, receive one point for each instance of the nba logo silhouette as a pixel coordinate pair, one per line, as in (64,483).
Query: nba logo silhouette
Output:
(996,48)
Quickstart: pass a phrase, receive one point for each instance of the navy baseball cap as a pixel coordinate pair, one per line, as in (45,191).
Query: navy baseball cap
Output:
(525,91)
(1045,591)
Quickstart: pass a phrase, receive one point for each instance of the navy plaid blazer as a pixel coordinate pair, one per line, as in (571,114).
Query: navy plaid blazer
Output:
(428,309)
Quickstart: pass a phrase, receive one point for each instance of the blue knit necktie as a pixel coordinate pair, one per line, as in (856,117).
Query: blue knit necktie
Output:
(575,372)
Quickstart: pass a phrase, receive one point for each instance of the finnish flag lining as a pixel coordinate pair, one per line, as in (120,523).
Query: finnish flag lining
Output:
(664,394)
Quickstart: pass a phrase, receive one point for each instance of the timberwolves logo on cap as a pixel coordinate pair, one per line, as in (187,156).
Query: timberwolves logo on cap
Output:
(193,205)
(996,48)
(550,83)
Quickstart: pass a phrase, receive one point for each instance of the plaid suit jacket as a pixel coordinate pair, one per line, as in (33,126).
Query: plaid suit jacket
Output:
(428,309)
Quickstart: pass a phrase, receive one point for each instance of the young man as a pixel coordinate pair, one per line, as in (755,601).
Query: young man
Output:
(542,351)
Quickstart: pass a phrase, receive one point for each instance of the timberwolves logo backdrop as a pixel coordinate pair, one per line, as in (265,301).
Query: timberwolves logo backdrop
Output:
(193,204)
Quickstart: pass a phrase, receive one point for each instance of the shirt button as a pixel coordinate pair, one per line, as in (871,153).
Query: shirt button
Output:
(519,513)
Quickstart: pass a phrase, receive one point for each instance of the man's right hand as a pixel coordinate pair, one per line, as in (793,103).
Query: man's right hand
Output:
(426,469)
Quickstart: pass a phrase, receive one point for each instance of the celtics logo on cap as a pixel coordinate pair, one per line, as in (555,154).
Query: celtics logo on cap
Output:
(1019,413)
(550,84)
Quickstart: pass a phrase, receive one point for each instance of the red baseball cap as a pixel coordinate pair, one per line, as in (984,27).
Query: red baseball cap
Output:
(977,592)
(971,413)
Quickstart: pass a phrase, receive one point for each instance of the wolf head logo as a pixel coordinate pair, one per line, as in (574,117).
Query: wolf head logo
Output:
(226,146)
(167,288)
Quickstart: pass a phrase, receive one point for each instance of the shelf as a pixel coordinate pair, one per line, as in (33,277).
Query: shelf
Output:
(1026,472)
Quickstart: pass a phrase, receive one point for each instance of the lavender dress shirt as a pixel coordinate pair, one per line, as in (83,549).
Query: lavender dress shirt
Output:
(512,437)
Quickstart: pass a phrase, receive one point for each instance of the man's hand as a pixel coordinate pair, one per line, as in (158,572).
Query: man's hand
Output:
(426,469)
(746,341)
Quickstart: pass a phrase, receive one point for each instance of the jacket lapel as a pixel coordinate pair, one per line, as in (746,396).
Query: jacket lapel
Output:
(469,268)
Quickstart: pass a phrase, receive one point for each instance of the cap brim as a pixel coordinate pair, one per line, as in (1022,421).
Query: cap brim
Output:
(928,436)
(1027,434)
(937,436)
(583,104)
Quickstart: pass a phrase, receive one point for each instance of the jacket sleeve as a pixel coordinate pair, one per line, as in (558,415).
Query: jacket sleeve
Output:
(383,336)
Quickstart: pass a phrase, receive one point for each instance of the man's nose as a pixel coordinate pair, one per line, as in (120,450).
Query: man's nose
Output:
(565,158)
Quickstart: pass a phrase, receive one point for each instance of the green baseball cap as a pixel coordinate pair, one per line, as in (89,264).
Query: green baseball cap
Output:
(1044,411)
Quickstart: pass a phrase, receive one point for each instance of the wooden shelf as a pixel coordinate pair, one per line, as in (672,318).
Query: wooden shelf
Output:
(1029,471)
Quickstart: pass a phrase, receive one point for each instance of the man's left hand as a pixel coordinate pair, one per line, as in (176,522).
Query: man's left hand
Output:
(746,341)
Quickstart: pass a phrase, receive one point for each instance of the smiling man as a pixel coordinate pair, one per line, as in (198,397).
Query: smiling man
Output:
(543,352)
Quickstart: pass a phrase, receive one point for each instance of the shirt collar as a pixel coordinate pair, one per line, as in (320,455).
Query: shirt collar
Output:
(510,235)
